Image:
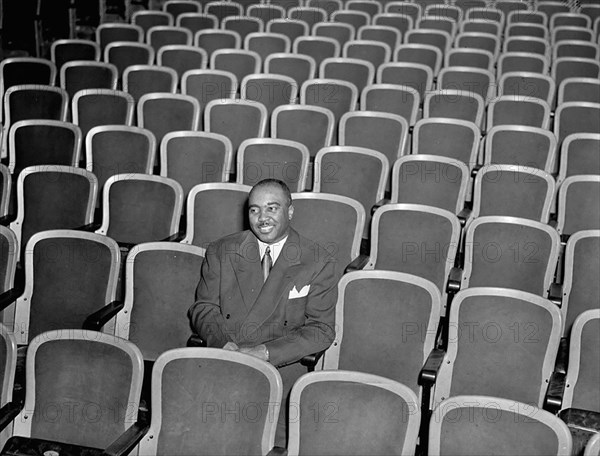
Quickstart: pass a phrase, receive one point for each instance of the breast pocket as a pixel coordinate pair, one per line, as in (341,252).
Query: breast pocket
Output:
(295,312)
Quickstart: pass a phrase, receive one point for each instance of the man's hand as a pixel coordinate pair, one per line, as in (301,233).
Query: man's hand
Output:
(258,351)
(231,346)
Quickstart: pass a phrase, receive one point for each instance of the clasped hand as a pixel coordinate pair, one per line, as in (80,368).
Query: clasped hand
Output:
(258,351)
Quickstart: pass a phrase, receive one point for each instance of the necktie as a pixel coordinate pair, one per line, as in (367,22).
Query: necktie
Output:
(267,263)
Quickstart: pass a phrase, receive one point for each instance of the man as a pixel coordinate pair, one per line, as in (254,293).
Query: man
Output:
(268,292)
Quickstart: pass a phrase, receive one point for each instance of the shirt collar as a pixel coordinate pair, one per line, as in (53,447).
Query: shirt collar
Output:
(276,248)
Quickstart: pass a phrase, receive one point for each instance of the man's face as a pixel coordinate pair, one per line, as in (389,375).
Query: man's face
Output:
(269,214)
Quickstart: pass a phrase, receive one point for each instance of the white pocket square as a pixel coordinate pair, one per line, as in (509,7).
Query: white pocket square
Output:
(294,293)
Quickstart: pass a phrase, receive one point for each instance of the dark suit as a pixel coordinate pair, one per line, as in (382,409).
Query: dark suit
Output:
(233,304)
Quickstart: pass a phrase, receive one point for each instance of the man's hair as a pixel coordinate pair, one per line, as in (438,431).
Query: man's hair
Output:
(274,183)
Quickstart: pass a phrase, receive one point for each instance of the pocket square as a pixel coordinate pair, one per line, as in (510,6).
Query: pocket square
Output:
(294,293)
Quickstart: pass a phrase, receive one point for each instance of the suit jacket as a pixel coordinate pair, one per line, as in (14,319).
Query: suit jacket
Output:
(293,313)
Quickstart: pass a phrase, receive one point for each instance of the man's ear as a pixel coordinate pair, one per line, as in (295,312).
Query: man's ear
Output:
(290,212)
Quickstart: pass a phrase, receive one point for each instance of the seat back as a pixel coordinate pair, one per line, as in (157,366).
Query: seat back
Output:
(579,89)
(146,19)
(164,113)
(579,155)
(487,328)
(139,80)
(239,62)
(414,75)
(205,383)
(140,208)
(213,39)
(26,70)
(386,424)
(53,197)
(431,137)
(194,157)
(43,142)
(374,52)
(265,44)
(454,104)
(430,180)
(576,117)
(243,25)
(386,325)
(80,75)
(317,47)
(215,210)
(312,126)
(209,85)
(182,58)
(383,132)
(166,35)
(111,32)
(8,364)
(292,28)
(424,54)
(528,86)
(582,266)
(119,149)
(123,54)
(510,252)
(299,67)
(521,146)
(475,425)
(271,90)
(402,101)
(281,159)
(334,222)
(577,204)
(583,373)
(238,120)
(518,110)
(513,191)
(475,80)
(70,274)
(96,107)
(356,71)
(197,21)
(355,172)
(415,239)
(161,280)
(67,50)
(97,377)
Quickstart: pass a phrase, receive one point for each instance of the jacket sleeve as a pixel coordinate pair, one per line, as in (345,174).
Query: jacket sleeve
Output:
(205,315)
(318,331)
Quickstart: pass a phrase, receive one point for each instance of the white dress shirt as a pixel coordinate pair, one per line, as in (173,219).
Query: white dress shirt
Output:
(276,248)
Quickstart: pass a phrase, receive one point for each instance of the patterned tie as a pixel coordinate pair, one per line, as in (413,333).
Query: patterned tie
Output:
(267,263)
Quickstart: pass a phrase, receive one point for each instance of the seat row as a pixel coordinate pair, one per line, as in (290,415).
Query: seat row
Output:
(229,401)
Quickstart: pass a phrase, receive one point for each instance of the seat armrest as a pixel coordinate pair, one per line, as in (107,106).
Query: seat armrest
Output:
(277,451)
(464,215)
(357,263)
(9,412)
(555,294)
(128,440)
(89,227)
(556,390)
(583,419)
(7,219)
(310,361)
(174,237)
(378,204)
(196,341)
(98,319)
(454,280)
(429,372)
(10,296)
(475,170)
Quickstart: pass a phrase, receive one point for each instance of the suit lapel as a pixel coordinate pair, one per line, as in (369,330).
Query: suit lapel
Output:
(279,282)
(248,272)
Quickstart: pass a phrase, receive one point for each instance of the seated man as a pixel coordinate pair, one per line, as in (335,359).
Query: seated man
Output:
(268,292)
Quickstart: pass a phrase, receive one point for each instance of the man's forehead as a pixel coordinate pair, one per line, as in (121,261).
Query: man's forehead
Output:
(266,194)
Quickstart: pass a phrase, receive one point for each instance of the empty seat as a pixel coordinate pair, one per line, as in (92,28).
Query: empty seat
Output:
(140,208)
(576,117)
(195,157)
(146,19)
(430,180)
(578,208)
(267,158)
(579,89)
(80,75)
(475,425)
(522,61)
(320,92)
(317,47)
(414,75)
(391,336)
(62,295)
(420,53)
(215,210)
(513,191)
(243,25)
(495,316)
(265,44)
(160,277)
(239,62)
(138,80)
(467,57)
(113,32)
(339,31)
(394,99)
(67,50)
(271,90)
(182,58)
(579,155)
(454,104)
(521,146)
(473,80)
(209,85)
(292,28)
(387,423)
(527,86)
(510,252)
(185,377)
(211,40)
(518,110)
(164,35)
(358,72)
(300,67)
(123,54)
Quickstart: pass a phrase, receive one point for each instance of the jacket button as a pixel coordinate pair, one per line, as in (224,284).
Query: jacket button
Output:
(227,316)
